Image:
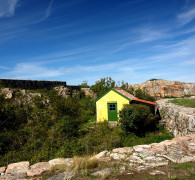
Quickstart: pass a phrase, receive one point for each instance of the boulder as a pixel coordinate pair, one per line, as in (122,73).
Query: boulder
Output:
(61,161)
(39,169)
(63,176)
(156,172)
(20,168)
(103,172)
(118,156)
(2,170)
(101,155)
(124,150)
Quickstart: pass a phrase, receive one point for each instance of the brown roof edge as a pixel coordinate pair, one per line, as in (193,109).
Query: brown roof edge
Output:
(147,102)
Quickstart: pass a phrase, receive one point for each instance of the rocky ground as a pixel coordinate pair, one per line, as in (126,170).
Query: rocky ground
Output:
(166,160)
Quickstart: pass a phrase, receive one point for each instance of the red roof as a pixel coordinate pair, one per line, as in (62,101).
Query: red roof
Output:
(128,95)
(125,93)
(144,101)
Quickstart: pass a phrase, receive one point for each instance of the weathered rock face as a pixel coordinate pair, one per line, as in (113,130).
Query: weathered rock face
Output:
(178,120)
(88,92)
(39,169)
(61,161)
(162,88)
(20,168)
(143,157)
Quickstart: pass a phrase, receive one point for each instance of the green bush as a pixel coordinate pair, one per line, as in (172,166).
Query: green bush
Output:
(99,137)
(136,118)
(141,94)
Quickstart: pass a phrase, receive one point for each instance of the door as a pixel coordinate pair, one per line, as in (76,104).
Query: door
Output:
(112,111)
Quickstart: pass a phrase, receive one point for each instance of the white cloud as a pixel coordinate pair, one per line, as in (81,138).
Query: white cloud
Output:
(48,10)
(187,16)
(2,67)
(32,71)
(7,7)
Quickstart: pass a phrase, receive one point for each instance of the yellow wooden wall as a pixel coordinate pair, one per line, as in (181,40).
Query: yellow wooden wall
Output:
(110,97)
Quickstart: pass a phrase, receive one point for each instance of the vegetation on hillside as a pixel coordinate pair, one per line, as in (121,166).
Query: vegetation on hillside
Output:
(101,86)
(52,127)
(184,102)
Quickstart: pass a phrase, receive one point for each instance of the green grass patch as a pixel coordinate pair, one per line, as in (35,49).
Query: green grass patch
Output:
(184,166)
(184,102)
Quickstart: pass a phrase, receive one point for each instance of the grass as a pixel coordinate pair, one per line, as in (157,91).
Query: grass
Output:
(84,164)
(184,166)
(184,102)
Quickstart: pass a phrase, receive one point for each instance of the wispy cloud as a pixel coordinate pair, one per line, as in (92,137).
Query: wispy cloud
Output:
(3,67)
(48,10)
(32,71)
(187,17)
(7,7)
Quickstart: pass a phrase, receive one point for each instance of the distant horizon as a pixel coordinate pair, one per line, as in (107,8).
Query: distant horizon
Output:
(86,80)
(74,41)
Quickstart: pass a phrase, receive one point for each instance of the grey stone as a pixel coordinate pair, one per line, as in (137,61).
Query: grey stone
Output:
(102,154)
(61,161)
(63,176)
(156,172)
(102,172)
(20,168)
(39,168)
(142,168)
(124,150)
(121,169)
(117,156)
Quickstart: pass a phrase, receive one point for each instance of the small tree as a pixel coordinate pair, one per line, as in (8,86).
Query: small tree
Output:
(103,85)
(84,84)
(136,118)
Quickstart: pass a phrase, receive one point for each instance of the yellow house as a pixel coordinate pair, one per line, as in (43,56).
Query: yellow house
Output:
(111,102)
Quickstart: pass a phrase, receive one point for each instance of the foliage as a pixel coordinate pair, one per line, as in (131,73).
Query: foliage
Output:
(51,126)
(104,84)
(184,102)
(1,84)
(101,86)
(129,140)
(184,166)
(141,94)
(136,118)
(153,79)
(84,84)
(99,137)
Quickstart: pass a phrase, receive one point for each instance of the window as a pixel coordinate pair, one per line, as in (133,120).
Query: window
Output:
(112,107)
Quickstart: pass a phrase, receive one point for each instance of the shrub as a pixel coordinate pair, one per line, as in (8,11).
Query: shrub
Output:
(99,137)
(136,118)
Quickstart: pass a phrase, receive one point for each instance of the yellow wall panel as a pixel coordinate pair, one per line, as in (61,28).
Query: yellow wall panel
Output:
(110,97)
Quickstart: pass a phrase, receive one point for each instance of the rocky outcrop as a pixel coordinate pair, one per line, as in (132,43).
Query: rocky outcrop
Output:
(178,120)
(39,169)
(177,150)
(162,88)
(68,162)
(89,92)
(136,159)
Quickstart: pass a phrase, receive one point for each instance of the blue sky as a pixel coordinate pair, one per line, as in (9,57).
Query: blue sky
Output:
(77,40)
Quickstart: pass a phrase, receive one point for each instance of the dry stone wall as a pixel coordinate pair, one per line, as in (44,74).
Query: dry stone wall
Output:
(31,84)
(178,120)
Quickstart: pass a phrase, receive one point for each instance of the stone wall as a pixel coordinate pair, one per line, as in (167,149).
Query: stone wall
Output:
(178,120)
(31,84)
